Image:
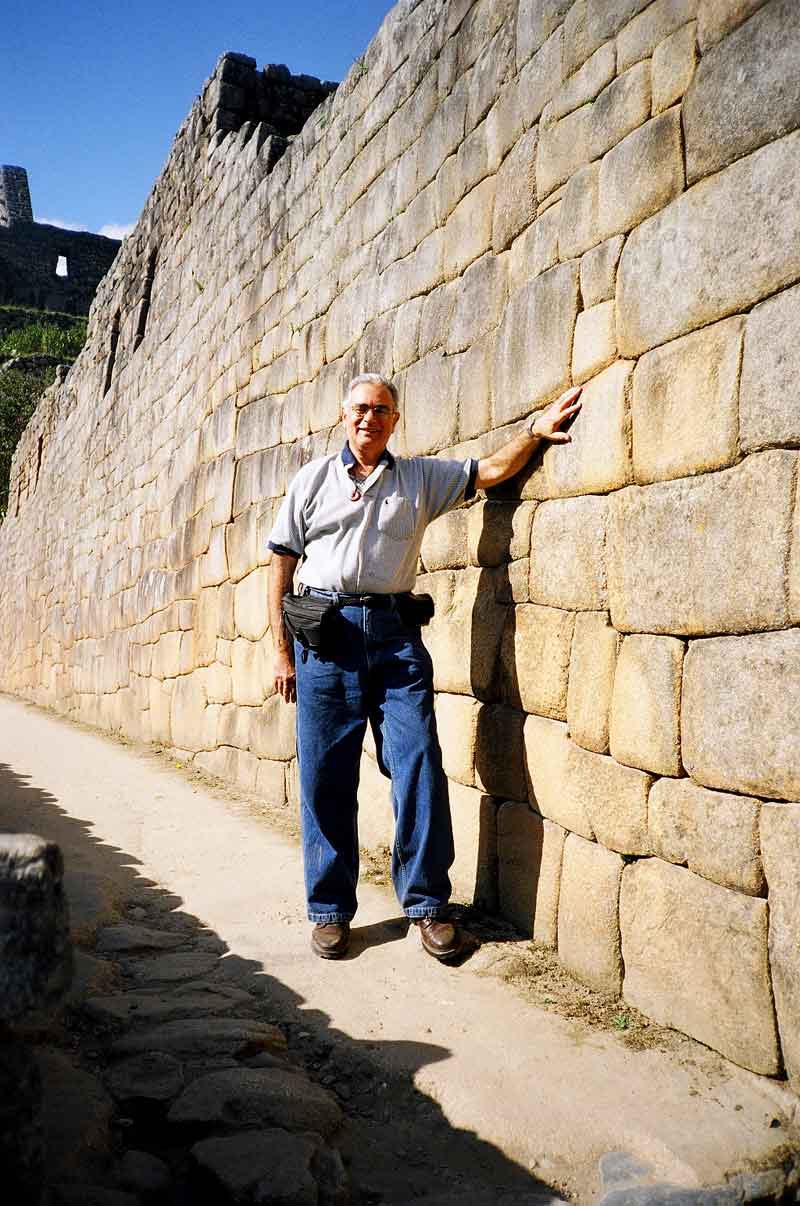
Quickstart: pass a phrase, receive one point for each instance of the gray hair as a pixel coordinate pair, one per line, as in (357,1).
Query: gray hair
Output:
(373,379)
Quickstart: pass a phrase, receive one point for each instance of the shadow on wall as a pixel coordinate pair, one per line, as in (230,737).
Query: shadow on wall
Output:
(385,1116)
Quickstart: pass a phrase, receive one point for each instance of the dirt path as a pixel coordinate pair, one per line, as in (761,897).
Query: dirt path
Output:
(456,1080)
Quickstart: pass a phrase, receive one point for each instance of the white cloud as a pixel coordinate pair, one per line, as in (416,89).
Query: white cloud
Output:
(60,223)
(116,230)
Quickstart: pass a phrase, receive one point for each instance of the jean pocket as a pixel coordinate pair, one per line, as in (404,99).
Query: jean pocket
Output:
(396,518)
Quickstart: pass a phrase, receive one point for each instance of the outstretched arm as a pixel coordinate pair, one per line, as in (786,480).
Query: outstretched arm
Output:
(281,572)
(513,456)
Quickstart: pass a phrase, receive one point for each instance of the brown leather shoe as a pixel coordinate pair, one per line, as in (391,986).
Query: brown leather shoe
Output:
(440,937)
(331,939)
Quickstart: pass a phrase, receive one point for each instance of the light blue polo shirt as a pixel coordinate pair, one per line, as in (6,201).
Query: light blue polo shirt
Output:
(367,544)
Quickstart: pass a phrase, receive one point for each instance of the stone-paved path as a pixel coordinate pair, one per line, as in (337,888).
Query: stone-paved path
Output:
(208,1056)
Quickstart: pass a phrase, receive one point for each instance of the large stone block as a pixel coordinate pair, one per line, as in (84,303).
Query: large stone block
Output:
(595,345)
(769,412)
(444,545)
(515,199)
(547,750)
(465,633)
(534,344)
(500,752)
(738,715)
(535,659)
(690,265)
(673,436)
(535,250)
(724,118)
(584,84)
(640,36)
(614,798)
(536,20)
(592,663)
(599,272)
(474,872)
(473,388)
(567,560)
(251,668)
(430,414)
(479,303)
(468,232)
(716,18)
(695,958)
(588,914)
(34,926)
(597,459)
(674,62)
(529,852)
(272,730)
(457,725)
(641,174)
(676,550)
(579,212)
(713,833)
(619,109)
(645,710)
(563,148)
(780,846)
(250,610)
(193,723)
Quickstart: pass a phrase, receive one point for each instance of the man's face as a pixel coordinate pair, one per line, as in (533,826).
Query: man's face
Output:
(369,419)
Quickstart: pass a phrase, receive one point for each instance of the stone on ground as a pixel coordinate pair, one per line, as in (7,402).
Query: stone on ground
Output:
(154,1076)
(273,1166)
(214,1036)
(243,1097)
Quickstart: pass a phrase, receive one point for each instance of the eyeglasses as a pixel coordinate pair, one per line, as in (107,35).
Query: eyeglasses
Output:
(359,411)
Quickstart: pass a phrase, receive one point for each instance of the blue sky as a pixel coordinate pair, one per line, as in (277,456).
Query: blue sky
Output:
(94,92)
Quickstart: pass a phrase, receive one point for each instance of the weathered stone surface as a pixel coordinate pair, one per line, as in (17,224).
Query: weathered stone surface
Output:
(207,1037)
(712,833)
(457,725)
(167,968)
(588,921)
(535,250)
(529,852)
(478,303)
(536,21)
(674,62)
(598,458)
(641,174)
(768,406)
(740,698)
(143,1173)
(272,1166)
(695,958)
(567,561)
(716,18)
(534,344)
(547,750)
(515,200)
(464,636)
(499,532)
(584,84)
(154,1076)
(432,426)
(672,435)
(535,659)
(247,1097)
(468,232)
(152,1007)
(474,870)
(675,551)
(614,798)
(780,847)
(645,710)
(717,272)
(122,939)
(723,121)
(595,343)
(599,271)
(35,950)
(640,36)
(250,606)
(592,663)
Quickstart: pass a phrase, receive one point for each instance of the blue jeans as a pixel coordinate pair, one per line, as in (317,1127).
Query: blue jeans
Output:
(377,671)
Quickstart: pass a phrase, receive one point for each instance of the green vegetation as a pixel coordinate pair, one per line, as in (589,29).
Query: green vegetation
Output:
(44,338)
(20,390)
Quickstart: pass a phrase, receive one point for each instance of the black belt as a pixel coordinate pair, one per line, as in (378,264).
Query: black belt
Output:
(377,601)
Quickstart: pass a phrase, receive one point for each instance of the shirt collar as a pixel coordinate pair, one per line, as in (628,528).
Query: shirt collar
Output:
(348,459)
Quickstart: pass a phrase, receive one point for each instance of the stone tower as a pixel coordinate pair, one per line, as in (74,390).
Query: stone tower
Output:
(15,197)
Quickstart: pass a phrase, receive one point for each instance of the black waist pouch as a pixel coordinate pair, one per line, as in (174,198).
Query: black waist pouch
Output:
(308,619)
(415,610)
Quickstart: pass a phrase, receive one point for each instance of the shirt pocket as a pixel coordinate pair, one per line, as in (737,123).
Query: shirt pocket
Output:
(396,518)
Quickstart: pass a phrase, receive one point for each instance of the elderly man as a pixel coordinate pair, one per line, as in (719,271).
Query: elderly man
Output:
(357,518)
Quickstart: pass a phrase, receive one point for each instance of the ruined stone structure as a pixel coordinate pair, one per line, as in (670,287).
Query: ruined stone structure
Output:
(32,252)
(503,197)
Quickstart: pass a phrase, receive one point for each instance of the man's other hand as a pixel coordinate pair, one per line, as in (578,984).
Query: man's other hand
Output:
(285,680)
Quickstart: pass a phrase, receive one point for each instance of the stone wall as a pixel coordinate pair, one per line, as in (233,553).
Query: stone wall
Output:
(501,198)
(30,253)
